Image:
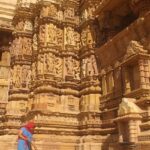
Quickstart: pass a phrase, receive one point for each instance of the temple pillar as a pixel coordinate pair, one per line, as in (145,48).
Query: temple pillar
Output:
(90,85)
(20,72)
(5,40)
(54,98)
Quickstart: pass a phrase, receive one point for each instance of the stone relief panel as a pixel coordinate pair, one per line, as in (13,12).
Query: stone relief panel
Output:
(69,66)
(52,34)
(26,76)
(49,11)
(70,103)
(16,76)
(52,10)
(4,93)
(21,46)
(47,101)
(73,103)
(59,34)
(87,14)
(87,38)
(43,34)
(44,11)
(49,63)
(89,66)
(16,107)
(20,76)
(60,15)
(77,39)
(69,36)
(76,69)
(35,43)
(72,68)
(69,13)
(24,25)
(90,102)
(4,72)
(58,70)
(59,120)
(26,44)
(40,65)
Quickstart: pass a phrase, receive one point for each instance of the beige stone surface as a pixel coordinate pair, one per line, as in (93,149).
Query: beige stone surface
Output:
(79,69)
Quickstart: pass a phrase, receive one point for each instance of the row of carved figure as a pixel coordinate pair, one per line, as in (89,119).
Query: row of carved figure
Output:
(49,63)
(20,76)
(21,46)
(69,13)
(45,101)
(50,33)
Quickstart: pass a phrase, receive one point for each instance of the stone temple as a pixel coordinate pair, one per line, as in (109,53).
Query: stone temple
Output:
(80,69)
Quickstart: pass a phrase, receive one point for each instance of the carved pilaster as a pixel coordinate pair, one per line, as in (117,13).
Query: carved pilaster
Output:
(20,72)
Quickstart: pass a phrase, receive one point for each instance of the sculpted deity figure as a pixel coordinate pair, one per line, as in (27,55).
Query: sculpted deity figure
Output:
(90,12)
(76,69)
(26,75)
(35,43)
(40,64)
(13,48)
(85,15)
(11,77)
(83,67)
(70,36)
(16,47)
(60,15)
(42,35)
(20,26)
(52,38)
(92,66)
(89,37)
(33,73)
(28,79)
(36,22)
(83,38)
(52,10)
(69,12)
(49,63)
(17,77)
(77,40)
(25,3)
(44,11)
(26,46)
(58,66)
(28,25)
(59,36)
(69,66)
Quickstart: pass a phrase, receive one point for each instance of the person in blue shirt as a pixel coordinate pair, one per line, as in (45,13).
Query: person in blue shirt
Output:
(25,136)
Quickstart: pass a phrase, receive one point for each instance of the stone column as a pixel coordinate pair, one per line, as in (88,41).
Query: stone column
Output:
(21,56)
(5,40)
(56,72)
(90,84)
